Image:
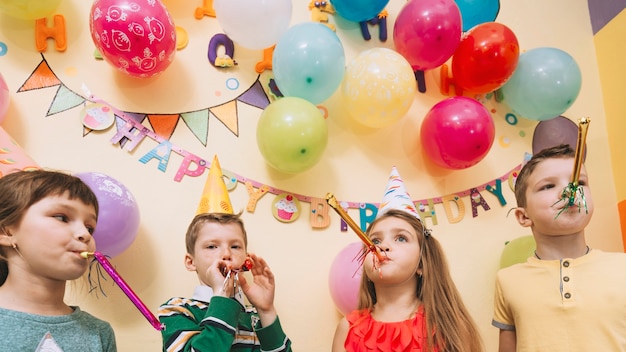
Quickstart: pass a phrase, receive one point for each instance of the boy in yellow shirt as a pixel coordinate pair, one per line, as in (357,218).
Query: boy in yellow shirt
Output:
(567,297)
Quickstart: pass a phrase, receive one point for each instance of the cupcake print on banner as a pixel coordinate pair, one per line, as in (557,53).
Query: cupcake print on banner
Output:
(97,116)
(286,207)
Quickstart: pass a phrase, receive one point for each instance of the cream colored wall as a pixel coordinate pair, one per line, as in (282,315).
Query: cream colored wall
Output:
(355,166)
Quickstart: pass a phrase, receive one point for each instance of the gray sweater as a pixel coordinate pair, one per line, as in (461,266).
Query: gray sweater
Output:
(76,332)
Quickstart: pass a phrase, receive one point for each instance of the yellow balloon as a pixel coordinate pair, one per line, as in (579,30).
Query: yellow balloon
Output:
(28,9)
(378,87)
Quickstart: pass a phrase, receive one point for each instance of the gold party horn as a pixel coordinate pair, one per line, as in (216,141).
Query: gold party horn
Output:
(583,126)
(332,201)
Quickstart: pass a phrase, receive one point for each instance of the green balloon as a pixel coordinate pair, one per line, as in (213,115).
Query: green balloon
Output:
(517,251)
(291,134)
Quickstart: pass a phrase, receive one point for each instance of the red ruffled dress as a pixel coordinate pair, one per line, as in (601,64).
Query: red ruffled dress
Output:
(367,334)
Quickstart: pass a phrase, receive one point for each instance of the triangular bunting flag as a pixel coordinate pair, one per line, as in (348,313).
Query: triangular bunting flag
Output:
(164,125)
(42,77)
(86,130)
(198,123)
(227,114)
(255,96)
(63,100)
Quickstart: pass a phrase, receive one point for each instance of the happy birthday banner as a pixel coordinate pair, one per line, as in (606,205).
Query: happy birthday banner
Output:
(286,205)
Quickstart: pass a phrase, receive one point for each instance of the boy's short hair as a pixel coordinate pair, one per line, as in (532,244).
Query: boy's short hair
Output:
(521,184)
(222,218)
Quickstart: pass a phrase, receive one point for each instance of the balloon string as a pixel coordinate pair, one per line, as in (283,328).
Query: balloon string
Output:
(106,265)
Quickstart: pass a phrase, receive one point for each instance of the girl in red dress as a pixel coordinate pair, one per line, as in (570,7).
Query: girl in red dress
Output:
(408,302)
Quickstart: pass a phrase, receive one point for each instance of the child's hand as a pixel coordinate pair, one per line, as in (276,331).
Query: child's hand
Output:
(261,292)
(216,278)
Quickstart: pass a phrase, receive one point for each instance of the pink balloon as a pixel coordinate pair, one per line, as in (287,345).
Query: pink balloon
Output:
(118,218)
(345,278)
(427,32)
(136,36)
(457,132)
(4,98)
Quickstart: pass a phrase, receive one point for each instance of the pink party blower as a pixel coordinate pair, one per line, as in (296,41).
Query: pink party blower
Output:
(124,286)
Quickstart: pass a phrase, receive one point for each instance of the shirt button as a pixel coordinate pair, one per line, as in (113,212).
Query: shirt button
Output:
(566,264)
(568,295)
(566,278)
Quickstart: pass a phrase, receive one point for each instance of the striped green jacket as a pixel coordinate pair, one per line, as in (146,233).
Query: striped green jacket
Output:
(224,324)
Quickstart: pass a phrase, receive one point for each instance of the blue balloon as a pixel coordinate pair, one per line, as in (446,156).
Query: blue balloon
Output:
(359,10)
(308,62)
(475,12)
(545,83)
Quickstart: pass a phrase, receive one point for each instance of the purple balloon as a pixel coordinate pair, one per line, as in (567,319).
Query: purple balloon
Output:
(558,130)
(118,217)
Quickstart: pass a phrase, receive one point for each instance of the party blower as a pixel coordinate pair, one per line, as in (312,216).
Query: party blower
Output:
(125,288)
(573,193)
(371,247)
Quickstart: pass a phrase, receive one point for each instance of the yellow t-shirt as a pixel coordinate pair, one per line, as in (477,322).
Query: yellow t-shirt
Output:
(564,305)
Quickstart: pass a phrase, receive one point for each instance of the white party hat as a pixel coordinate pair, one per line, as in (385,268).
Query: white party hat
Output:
(396,196)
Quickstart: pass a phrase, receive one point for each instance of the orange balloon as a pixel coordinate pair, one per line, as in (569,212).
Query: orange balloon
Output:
(485,59)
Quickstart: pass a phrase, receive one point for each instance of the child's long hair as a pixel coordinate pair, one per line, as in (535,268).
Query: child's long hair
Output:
(449,325)
(20,190)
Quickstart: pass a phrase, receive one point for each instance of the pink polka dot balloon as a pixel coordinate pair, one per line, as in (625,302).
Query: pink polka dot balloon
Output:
(136,36)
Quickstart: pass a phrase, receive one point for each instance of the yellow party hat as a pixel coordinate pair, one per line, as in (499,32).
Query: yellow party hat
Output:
(215,198)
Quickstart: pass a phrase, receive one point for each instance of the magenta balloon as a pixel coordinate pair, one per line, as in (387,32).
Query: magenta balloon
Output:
(345,278)
(427,32)
(136,36)
(118,218)
(457,133)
